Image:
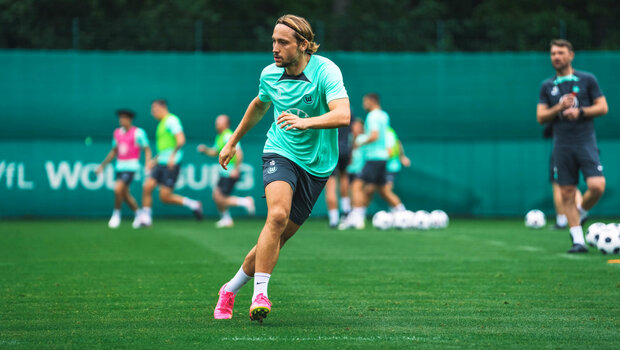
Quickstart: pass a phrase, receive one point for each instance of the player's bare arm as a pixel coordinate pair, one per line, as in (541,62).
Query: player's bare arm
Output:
(546,114)
(111,155)
(339,115)
(208,151)
(255,112)
(180,139)
(148,154)
(598,109)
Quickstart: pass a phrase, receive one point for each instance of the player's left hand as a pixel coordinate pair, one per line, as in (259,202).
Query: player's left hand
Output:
(571,113)
(291,121)
(405,161)
(226,154)
(171,163)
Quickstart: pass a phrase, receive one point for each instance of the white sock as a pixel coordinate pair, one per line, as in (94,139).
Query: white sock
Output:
(358,214)
(333,216)
(147,211)
(261,281)
(116,212)
(345,204)
(398,207)
(190,203)
(225,215)
(238,281)
(577,233)
(561,220)
(243,202)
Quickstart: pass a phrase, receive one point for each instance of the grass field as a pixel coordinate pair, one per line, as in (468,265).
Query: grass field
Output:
(478,284)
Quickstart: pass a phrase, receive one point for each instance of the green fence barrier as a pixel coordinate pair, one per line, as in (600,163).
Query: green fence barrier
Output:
(466,120)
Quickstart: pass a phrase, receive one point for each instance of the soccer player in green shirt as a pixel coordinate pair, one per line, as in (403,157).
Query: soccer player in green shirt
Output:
(310,103)
(164,168)
(228,177)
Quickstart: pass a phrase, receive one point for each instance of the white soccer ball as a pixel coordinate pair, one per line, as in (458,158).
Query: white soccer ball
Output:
(608,241)
(535,219)
(422,220)
(403,219)
(439,219)
(383,220)
(594,232)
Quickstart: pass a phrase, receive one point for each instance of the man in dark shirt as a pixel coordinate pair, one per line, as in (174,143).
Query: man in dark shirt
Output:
(570,101)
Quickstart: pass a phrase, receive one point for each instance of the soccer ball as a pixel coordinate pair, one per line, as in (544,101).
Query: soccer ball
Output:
(383,220)
(608,241)
(535,219)
(439,219)
(404,219)
(593,233)
(422,220)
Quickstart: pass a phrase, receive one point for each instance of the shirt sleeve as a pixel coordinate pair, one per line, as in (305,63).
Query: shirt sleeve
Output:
(373,122)
(174,125)
(333,84)
(141,139)
(594,89)
(263,93)
(543,98)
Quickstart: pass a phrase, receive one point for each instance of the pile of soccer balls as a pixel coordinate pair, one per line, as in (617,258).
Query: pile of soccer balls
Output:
(404,220)
(604,237)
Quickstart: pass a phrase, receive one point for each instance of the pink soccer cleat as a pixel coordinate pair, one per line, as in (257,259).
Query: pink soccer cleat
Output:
(224,308)
(261,306)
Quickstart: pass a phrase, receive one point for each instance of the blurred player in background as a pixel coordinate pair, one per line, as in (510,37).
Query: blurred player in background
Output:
(374,173)
(128,141)
(340,176)
(561,222)
(228,177)
(397,159)
(164,168)
(354,169)
(570,101)
(310,102)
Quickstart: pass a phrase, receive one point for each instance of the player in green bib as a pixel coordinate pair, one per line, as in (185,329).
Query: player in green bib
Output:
(309,101)
(227,177)
(164,168)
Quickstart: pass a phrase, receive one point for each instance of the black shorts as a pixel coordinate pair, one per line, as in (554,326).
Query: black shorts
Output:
(390,177)
(374,172)
(306,187)
(125,176)
(164,175)
(341,166)
(227,184)
(569,160)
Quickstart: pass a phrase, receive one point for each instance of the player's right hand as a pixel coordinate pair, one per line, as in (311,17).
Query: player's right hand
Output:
(99,170)
(202,148)
(226,154)
(567,101)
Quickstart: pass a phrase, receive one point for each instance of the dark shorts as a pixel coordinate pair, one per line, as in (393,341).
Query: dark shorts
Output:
(125,176)
(390,177)
(227,184)
(164,175)
(341,166)
(569,160)
(353,177)
(374,172)
(306,187)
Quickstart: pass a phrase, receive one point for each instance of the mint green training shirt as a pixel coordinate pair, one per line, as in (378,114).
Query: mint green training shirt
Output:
(379,121)
(306,95)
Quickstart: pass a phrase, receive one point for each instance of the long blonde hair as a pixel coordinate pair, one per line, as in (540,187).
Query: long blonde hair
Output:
(303,30)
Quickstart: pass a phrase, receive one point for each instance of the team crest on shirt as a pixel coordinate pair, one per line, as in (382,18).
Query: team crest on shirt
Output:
(555,90)
(307,99)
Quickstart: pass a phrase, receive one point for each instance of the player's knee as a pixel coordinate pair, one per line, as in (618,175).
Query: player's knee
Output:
(568,194)
(598,187)
(278,216)
(165,195)
(119,190)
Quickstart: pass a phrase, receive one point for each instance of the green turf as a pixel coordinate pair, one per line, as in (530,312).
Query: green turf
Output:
(478,284)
